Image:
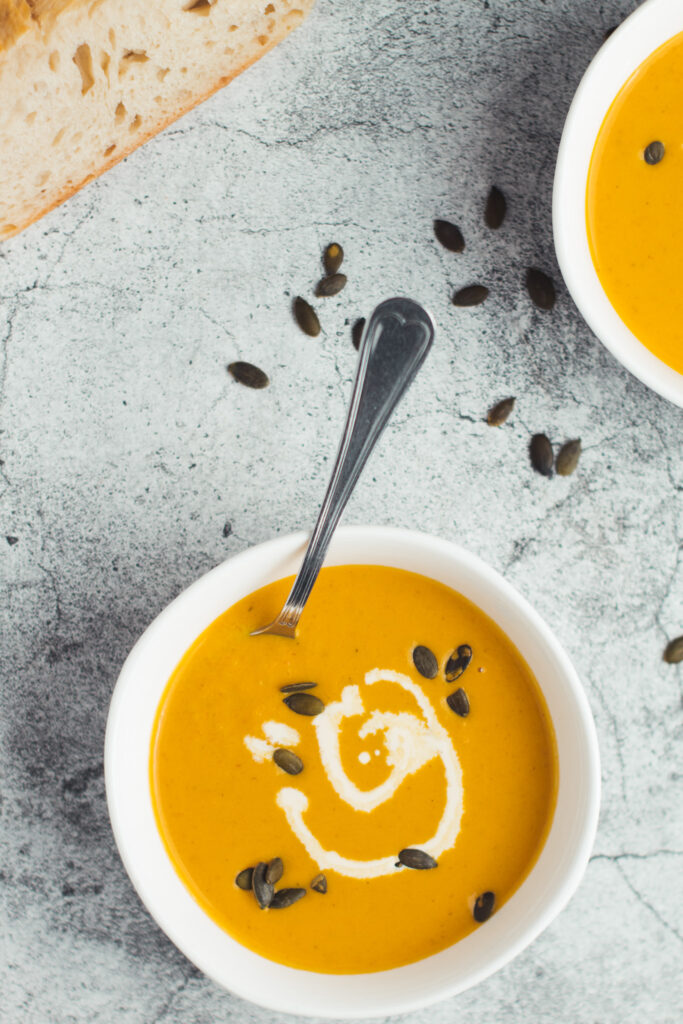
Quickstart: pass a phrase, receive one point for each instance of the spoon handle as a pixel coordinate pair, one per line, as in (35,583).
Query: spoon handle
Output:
(395,342)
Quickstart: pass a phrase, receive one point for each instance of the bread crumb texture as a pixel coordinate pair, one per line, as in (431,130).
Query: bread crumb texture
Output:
(84,82)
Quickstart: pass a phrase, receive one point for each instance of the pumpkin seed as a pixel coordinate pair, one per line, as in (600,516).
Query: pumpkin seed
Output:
(425,662)
(244,879)
(568,457)
(304,704)
(319,883)
(654,152)
(496,208)
(483,907)
(418,859)
(288,761)
(333,257)
(498,413)
(249,375)
(274,870)
(540,288)
(459,703)
(263,890)
(331,285)
(458,662)
(541,454)
(286,897)
(357,332)
(449,235)
(297,687)
(472,295)
(306,317)
(673,652)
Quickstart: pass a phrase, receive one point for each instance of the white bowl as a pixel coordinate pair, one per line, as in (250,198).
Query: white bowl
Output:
(542,895)
(636,38)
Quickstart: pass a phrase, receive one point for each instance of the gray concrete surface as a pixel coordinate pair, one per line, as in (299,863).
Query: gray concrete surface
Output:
(126,448)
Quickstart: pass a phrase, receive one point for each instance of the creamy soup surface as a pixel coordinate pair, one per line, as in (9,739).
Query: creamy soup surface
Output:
(388,765)
(634,212)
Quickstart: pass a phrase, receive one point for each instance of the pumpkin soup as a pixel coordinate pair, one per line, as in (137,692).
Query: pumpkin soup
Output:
(633,209)
(362,796)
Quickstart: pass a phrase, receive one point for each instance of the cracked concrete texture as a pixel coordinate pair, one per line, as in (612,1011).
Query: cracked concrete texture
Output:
(126,448)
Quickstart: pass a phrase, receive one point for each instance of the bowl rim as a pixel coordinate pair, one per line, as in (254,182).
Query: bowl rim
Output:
(334,995)
(638,36)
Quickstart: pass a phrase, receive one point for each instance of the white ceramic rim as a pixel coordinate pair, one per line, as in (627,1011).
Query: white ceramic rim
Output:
(650,25)
(543,894)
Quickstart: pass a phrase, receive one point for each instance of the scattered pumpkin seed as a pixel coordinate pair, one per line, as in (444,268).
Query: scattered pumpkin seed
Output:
(306,317)
(297,687)
(673,652)
(333,257)
(483,907)
(498,413)
(541,288)
(244,879)
(286,897)
(418,859)
(331,285)
(568,457)
(654,153)
(541,454)
(459,702)
(425,662)
(458,662)
(472,295)
(304,704)
(357,332)
(263,890)
(288,761)
(249,375)
(319,883)
(496,208)
(449,235)
(274,870)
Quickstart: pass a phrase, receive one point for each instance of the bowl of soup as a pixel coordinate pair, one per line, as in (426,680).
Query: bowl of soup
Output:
(617,216)
(368,818)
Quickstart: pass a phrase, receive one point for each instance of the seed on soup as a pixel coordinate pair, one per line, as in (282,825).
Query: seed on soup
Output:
(459,703)
(319,883)
(483,907)
(244,879)
(263,889)
(425,662)
(419,860)
(286,897)
(458,662)
(304,704)
(274,870)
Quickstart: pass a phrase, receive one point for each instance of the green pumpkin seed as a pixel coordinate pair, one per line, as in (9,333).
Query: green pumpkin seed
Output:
(304,704)
(263,889)
(288,761)
(541,288)
(498,413)
(459,703)
(483,907)
(458,662)
(297,687)
(249,375)
(306,317)
(286,897)
(357,332)
(244,879)
(331,285)
(449,235)
(472,295)
(673,652)
(319,883)
(568,457)
(417,859)
(541,454)
(274,870)
(654,153)
(425,662)
(333,257)
(496,208)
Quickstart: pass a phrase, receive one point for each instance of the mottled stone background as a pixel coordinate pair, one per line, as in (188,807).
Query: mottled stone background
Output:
(127,448)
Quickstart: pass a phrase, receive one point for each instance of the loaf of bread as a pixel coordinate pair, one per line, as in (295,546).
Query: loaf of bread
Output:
(83,82)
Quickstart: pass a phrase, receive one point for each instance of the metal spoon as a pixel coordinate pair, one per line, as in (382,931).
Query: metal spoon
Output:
(396,339)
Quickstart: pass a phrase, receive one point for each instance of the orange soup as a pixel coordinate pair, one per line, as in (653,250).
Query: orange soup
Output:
(633,203)
(362,796)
